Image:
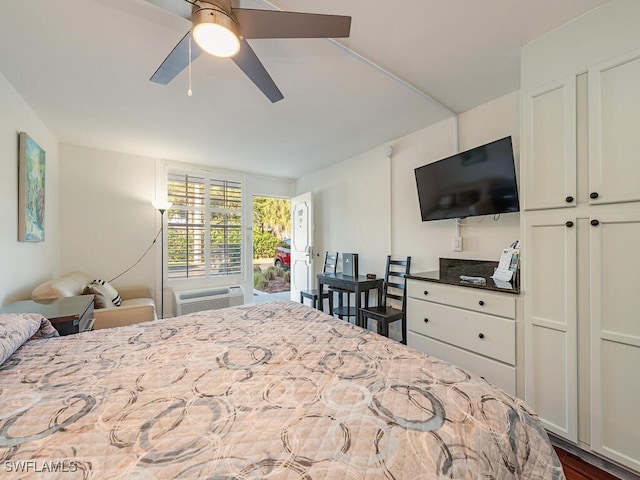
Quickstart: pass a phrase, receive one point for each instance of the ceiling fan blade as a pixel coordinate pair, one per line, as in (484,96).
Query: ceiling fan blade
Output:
(176,61)
(251,65)
(181,8)
(276,24)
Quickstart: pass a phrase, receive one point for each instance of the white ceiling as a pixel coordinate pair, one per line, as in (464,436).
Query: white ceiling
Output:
(84,67)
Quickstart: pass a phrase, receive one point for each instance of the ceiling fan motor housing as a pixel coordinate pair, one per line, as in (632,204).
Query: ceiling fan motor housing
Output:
(205,12)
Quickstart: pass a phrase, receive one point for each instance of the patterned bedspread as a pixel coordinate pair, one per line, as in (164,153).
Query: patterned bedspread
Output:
(277,390)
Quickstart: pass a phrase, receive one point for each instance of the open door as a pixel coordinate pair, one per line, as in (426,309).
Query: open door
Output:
(302,274)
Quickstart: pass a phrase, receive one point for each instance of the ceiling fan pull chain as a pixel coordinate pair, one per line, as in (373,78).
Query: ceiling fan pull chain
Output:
(189,92)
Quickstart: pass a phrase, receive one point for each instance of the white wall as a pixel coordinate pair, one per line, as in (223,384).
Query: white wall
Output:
(351,202)
(369,204)
(483,238)
(107,220)
(106,217)
(599,35)
(23,265)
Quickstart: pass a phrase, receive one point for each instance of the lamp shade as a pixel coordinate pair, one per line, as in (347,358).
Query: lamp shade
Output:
(161,205)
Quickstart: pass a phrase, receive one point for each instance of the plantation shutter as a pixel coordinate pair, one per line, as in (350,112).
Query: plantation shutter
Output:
(204,226)
(225,227)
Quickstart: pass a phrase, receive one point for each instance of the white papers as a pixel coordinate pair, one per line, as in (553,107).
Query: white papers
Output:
(502,272)
(507,265)
(502,284)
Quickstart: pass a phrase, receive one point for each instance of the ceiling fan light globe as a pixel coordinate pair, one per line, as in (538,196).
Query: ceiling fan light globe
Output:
(215,31)
(216,40)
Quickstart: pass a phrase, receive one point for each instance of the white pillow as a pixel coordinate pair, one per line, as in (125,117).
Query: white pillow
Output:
(101,297)
(15,329)
(113,294)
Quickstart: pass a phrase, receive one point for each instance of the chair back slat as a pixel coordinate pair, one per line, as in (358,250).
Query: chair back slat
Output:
(330,263)
(393,296)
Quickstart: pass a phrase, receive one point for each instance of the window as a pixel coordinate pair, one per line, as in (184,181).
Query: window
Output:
(204,226)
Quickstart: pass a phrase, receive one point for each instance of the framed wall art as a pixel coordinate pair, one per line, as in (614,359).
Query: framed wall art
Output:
(31,198)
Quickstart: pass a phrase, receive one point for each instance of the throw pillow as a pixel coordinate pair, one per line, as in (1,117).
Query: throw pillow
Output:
(101,297)
(15,329)
(113,294)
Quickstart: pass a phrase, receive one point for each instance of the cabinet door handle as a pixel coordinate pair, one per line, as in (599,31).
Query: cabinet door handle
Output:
(569,224)
(481,335)
(426,320)
(481,303)
(569,199)
(595,222)
(594,195)
(426,292)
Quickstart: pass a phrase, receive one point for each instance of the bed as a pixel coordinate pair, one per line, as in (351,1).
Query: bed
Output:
(277,390)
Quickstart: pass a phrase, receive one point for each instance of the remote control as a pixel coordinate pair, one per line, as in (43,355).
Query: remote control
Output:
(475,280)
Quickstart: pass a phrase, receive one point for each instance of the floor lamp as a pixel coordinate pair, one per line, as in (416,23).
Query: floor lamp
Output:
(162,206)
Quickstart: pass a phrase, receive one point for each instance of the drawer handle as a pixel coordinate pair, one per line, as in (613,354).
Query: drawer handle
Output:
(426,320)
(569,199)
(481,335)
(594,195)
(426,292)
(481,303)
(595,223)
(569,224)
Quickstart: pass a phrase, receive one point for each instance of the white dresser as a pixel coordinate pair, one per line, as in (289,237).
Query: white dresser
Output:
(472,328)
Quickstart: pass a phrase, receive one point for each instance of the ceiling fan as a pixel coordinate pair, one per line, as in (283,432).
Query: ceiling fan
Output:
(220,30)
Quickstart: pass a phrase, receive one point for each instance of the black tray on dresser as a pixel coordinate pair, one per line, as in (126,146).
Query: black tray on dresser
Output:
(451,269)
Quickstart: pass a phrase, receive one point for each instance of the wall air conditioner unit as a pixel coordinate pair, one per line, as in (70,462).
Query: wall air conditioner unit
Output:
(189,301)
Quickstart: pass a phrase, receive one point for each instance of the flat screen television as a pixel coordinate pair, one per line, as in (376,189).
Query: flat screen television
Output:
(480,181)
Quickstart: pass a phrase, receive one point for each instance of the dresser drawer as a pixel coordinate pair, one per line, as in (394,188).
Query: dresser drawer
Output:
(496,373)
(483,301)
(490,336)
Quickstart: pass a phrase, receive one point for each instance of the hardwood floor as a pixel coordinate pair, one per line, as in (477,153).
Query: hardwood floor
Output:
(577,469)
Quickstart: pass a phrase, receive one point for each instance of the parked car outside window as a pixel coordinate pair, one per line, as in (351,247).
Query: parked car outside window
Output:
(282,257)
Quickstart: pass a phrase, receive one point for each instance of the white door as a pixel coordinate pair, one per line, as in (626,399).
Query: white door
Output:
(551,370)
(302,275)
(614,143)
(615,337)
(549,141)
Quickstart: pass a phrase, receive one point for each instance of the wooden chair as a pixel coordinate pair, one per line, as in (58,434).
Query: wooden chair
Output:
(330,266)
(394,288)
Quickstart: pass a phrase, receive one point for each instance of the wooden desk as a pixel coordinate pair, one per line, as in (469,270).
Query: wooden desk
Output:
(68,315)
(357,285)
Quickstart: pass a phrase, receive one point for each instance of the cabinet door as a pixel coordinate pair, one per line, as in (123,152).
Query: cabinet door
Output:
(551,375)
(615,337)
(549,146)
(614,143)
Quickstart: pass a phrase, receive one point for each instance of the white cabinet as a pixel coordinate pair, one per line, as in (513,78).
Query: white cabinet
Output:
(615,336)
(551,374)
(580,265)
(471,328)
(552,261)
(614,142)
(549,138)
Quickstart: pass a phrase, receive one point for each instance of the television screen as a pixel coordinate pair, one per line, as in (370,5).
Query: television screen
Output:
(480,181)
